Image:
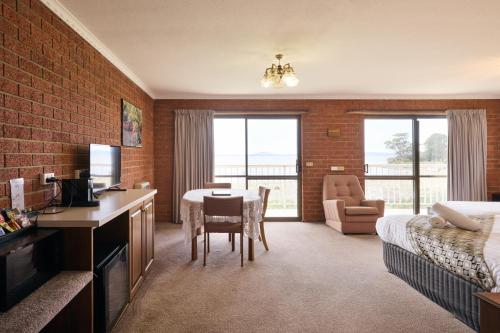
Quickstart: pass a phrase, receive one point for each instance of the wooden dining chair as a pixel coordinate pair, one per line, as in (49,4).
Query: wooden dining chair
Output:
(264,195)
(215,208)
(217,185)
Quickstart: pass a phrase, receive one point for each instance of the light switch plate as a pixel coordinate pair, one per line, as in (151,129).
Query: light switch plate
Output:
(337,168)
(309,164)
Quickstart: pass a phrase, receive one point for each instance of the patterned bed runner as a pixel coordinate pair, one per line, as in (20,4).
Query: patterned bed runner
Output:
(457,250)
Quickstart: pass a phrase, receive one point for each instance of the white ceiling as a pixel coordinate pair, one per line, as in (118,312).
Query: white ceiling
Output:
(339,49)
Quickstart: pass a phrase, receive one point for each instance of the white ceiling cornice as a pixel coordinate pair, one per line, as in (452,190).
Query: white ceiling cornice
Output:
(63,13)
(492,96)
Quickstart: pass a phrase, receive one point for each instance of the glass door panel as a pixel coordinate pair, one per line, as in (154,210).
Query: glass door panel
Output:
(397,194)
(433,147)
(272,147)
(388,147)
(282,200)
(261,151)
(229,150)
(433,162)
(406,162)
(432,190)
(236,182)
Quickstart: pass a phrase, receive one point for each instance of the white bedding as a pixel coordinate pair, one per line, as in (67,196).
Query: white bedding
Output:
(392,229)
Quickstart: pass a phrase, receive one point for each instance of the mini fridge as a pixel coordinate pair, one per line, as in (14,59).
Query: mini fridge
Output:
(111,285)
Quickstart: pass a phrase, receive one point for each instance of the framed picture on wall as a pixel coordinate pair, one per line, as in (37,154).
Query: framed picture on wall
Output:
(131,125)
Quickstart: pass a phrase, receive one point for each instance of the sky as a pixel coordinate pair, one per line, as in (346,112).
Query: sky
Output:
(276,136)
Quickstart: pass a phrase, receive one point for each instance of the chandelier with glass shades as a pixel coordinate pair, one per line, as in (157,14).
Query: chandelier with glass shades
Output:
(278,76)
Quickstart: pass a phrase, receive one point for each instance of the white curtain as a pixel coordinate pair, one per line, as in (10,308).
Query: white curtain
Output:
(193,155)
(467,155)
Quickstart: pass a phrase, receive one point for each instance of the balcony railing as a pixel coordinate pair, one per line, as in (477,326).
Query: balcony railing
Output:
(283,197)
(256,170)
(406,169)
(398,194)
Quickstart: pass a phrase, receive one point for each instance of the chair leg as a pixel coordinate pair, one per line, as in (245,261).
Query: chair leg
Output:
(229,236)
(233,242)
(208,244)
(204,249)
(241,247)
(263,235)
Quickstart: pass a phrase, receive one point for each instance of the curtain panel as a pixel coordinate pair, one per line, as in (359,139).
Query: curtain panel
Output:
(193,153)
(467,139)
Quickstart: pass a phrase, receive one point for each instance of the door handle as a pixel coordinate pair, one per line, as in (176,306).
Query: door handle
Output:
(366,168)
(297,166)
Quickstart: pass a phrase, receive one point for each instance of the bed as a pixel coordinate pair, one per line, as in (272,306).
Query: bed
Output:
(436,279)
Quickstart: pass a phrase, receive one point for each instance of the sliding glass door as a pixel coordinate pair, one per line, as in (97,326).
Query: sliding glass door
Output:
(406,162)
(389,163)
(261,151)
(433,162)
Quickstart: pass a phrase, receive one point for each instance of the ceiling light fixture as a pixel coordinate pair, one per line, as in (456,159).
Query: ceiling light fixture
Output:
(278,76)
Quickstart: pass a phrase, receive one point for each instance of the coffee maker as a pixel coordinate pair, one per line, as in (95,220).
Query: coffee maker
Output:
(78,193)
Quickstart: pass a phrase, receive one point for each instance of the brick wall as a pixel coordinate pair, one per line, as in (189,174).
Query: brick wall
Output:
(316,146)
(57,95)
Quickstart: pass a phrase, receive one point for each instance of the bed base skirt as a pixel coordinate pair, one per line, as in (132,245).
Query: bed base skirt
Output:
(442,287)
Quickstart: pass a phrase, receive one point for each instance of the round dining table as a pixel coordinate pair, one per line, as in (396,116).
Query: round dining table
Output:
(192,215)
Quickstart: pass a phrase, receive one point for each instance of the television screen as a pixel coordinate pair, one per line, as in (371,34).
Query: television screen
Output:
(104,166)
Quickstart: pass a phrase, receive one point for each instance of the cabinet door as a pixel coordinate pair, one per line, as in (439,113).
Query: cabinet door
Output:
(136,259)
(149,221)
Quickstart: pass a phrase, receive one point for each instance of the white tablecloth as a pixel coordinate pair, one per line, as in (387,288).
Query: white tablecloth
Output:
(192,211)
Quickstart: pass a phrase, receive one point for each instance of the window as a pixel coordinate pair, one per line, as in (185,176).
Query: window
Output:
(261,151)
(406,162)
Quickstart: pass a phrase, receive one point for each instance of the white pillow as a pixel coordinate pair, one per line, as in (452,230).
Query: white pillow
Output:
(456,218)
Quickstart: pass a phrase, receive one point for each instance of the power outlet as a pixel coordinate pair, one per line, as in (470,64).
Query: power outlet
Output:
(44,177)
(337,168)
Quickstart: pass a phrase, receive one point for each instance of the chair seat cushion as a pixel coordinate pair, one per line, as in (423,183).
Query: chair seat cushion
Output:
(360,210)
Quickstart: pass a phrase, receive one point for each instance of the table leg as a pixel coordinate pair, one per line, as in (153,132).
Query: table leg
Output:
(194,248)
(250,249)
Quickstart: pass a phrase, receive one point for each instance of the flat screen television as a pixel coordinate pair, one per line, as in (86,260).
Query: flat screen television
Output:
(104,166)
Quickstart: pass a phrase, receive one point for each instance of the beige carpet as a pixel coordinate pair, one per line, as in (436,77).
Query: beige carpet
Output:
(313,279)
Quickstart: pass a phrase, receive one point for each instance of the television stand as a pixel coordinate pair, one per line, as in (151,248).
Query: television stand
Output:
(122,218)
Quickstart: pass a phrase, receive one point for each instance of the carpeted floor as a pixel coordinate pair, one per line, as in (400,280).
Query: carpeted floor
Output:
(313,279)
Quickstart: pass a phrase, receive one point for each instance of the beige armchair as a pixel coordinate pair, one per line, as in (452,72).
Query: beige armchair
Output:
(346,209)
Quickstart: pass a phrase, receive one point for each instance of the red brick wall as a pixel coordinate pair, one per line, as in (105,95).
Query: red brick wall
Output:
(57,95)
(316,146)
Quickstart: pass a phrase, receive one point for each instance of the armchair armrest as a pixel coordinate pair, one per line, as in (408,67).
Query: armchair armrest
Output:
(334,210)
(379,204)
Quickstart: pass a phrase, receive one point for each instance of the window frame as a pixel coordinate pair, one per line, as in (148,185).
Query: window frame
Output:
(298,165)
(415,155)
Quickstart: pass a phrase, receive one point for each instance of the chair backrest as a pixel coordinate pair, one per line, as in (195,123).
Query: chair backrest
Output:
(214,206)
(264,195)
(217,185)
(343,187)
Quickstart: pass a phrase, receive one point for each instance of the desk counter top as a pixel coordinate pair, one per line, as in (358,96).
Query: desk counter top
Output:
(112,204)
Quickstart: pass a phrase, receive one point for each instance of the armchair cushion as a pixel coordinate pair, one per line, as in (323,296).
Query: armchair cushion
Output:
(379,204)
(343,187)
(360,210)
